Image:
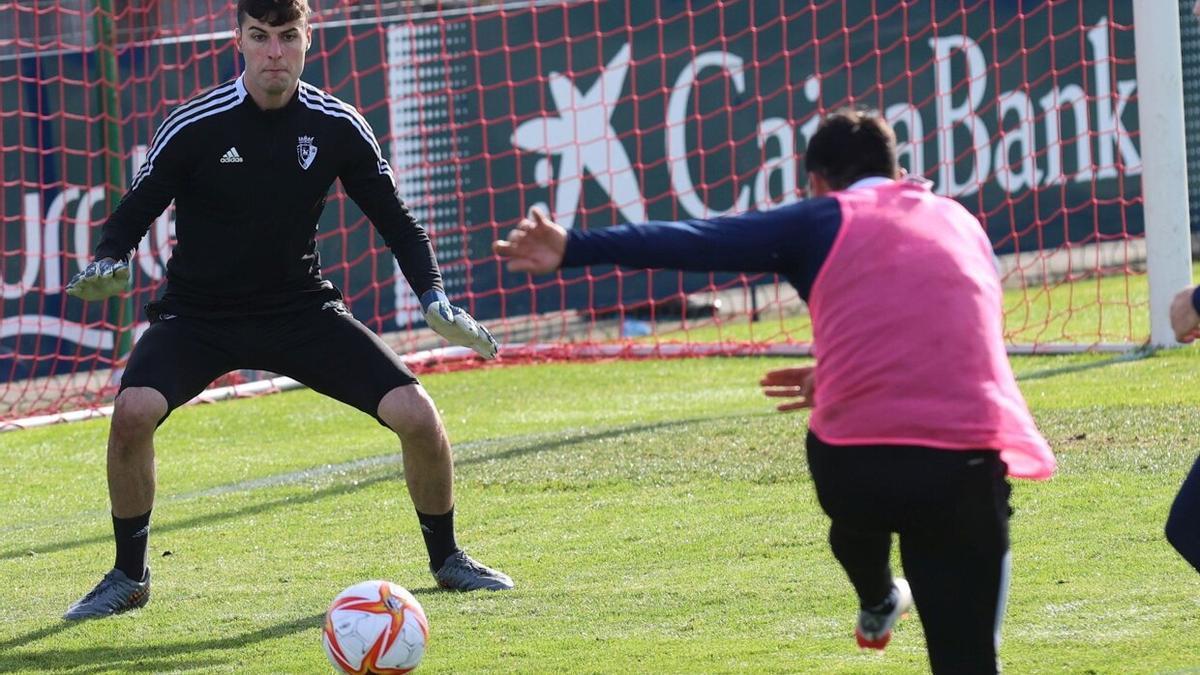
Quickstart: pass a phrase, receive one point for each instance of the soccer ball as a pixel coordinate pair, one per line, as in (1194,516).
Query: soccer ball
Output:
(375,627)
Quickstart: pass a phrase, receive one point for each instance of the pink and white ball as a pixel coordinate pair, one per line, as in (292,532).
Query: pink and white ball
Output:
(375,627)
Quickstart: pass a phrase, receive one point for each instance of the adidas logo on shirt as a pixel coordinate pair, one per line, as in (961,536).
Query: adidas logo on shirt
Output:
(231,156)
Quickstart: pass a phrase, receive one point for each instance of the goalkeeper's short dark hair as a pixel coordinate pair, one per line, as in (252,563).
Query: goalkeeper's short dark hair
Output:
(850,145)
(272,12)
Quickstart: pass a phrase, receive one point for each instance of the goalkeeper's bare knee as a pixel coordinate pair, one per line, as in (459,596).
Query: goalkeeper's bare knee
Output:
(136,413)
(409,411)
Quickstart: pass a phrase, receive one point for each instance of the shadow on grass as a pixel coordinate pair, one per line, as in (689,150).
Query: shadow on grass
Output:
(530,445)
(1126,357)
(354,480)
(135,658)
(33,636)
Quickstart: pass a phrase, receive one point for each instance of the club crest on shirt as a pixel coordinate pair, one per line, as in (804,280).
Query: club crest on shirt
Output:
(306,152)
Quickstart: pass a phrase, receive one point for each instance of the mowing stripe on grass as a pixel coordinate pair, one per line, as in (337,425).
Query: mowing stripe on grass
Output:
(525,443)
(278,480)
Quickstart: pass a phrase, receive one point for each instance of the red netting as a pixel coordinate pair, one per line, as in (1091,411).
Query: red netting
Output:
(601,112)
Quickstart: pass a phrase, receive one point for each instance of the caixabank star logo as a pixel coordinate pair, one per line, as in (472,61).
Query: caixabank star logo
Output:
(580,137)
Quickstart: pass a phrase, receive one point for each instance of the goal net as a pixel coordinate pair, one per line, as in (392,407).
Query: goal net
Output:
(599,112)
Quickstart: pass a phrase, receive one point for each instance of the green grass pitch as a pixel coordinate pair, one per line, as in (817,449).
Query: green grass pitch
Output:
(657,517)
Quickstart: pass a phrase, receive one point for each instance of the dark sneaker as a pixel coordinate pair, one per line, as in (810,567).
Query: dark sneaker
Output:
(114,594)
(460,572)
(874,628)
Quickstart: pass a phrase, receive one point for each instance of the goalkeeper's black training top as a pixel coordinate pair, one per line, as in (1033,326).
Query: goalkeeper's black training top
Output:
(249,186)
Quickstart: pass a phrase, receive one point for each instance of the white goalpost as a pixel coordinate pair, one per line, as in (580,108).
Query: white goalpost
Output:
(1164,157)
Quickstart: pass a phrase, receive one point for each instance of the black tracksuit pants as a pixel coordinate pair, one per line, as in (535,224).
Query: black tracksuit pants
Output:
(1183,524)
(950,510)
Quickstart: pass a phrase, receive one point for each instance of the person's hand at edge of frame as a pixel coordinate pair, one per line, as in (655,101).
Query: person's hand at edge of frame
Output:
(536,245)
(1184,319)
(101,279)
(794,383)
(456,325)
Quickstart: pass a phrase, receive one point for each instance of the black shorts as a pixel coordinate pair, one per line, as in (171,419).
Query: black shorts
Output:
(324,348)
(893,488)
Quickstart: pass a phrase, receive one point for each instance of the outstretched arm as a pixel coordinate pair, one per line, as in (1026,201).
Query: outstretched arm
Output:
(788,239)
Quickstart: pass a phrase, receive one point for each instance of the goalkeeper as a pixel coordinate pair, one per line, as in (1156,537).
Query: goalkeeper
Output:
(917,418)
(249,164)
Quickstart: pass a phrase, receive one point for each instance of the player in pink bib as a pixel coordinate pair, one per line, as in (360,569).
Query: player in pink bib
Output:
(908,335)
(917,418)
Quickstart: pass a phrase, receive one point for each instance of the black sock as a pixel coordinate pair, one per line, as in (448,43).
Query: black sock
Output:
(886,605)
(133,537)
(439,537)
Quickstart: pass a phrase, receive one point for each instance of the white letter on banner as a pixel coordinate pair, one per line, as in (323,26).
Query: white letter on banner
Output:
(677,158)
(907,116)
(83,225)
(784,164)
(51,247)
(1023,135)
(1109,127)
(1052,103)
(32,250)
(949,115)
(812,93)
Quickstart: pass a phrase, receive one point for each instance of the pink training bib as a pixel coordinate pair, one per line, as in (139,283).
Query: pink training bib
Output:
(907,321)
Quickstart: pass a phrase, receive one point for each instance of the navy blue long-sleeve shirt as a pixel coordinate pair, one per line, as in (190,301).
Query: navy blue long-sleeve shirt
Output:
(792,241)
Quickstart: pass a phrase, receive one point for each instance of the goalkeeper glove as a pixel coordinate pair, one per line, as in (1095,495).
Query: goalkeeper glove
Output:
(454,324)
(101,279)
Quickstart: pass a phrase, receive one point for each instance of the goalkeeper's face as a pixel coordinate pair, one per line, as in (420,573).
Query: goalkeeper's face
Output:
(274,54)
